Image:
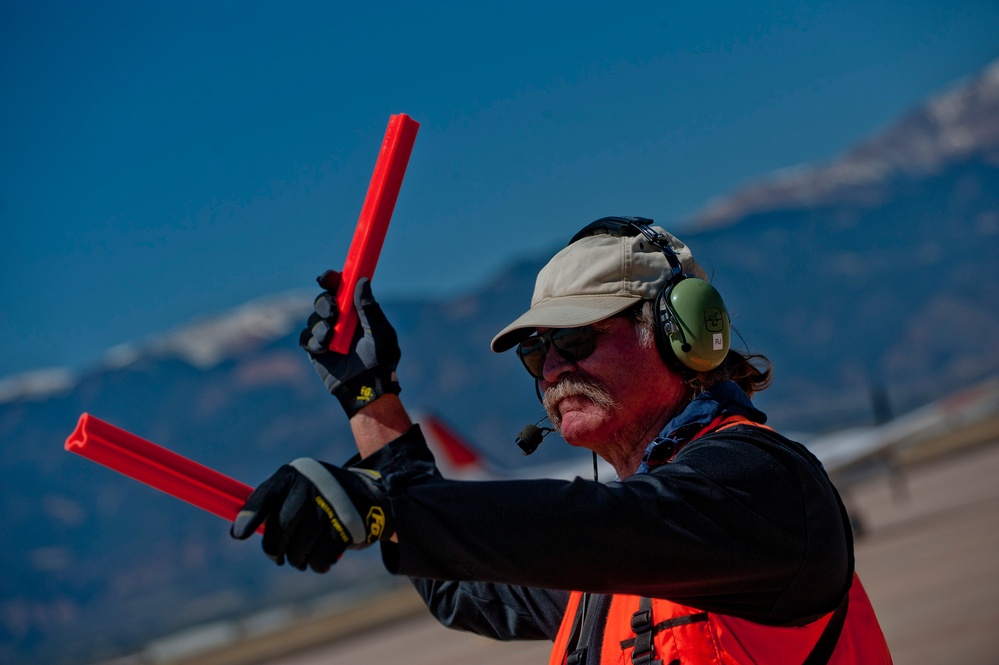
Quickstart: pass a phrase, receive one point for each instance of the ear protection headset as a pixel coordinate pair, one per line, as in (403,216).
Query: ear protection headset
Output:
(692,325)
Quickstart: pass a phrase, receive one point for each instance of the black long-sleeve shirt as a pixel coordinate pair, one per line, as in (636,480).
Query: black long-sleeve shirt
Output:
(742,522)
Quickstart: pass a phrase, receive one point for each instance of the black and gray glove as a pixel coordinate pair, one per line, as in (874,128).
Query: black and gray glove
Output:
(368,370)
(313,512)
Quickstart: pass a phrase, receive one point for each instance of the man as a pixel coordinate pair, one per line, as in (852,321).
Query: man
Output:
(719,542)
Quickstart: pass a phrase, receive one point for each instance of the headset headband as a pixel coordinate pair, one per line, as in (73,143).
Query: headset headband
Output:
(632,226)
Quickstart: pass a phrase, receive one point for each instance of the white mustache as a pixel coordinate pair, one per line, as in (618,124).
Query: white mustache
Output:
(572,386)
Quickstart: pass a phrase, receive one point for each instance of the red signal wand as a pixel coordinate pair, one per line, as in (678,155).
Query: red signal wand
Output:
(373,222)
(142,460)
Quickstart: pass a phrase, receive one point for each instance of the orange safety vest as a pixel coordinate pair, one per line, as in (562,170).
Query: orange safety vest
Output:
(683,634)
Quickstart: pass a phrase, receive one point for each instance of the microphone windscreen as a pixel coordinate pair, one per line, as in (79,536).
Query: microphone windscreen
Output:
(530,438)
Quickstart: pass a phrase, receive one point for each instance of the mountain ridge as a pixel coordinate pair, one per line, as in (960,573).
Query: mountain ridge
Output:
(950,127)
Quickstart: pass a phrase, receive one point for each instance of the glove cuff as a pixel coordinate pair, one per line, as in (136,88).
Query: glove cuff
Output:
(361,391)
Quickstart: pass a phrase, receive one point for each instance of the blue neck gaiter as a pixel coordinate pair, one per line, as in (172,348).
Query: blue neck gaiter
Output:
(721,399)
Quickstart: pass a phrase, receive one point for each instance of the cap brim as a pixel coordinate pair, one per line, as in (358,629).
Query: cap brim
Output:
(565,312)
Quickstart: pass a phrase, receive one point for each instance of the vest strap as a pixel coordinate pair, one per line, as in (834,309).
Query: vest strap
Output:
(641,623)
(823,650)
(581,631)
(670,623)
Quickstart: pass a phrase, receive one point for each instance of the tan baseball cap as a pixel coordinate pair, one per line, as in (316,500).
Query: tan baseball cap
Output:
(594,278)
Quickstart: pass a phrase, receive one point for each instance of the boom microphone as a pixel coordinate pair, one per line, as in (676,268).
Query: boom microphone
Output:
(531,436)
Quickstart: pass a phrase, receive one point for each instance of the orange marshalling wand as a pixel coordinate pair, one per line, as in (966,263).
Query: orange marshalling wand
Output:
(142,460)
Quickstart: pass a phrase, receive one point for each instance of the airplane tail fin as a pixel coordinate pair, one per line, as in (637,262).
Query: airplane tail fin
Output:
(454,454)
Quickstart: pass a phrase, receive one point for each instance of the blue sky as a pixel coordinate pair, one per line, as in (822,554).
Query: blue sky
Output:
(164,161)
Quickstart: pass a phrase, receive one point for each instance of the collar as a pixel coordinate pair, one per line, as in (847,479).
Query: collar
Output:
(721,399)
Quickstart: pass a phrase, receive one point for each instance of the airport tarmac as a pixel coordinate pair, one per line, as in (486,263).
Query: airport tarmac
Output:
(929,560)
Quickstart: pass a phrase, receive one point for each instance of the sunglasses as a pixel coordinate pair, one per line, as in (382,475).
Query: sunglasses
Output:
(573,344)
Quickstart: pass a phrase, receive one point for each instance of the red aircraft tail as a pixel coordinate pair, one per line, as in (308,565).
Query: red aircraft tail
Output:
(455,456)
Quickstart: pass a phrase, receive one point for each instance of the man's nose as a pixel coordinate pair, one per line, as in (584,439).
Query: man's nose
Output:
(556,365)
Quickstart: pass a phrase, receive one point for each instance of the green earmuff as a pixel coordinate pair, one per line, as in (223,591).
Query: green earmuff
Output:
(693,324)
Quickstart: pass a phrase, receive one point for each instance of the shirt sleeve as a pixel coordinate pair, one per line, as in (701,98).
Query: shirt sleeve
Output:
(498,611)
(740,523)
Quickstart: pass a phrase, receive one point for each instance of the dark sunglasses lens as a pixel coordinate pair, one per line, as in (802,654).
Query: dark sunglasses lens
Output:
(532,354)
(573,343)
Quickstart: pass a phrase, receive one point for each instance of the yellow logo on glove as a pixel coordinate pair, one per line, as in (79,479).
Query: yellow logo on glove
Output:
(366,395)
(375,523)
(334,522)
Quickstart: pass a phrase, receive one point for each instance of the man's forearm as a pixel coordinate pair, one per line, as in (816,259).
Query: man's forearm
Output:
(382,421)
